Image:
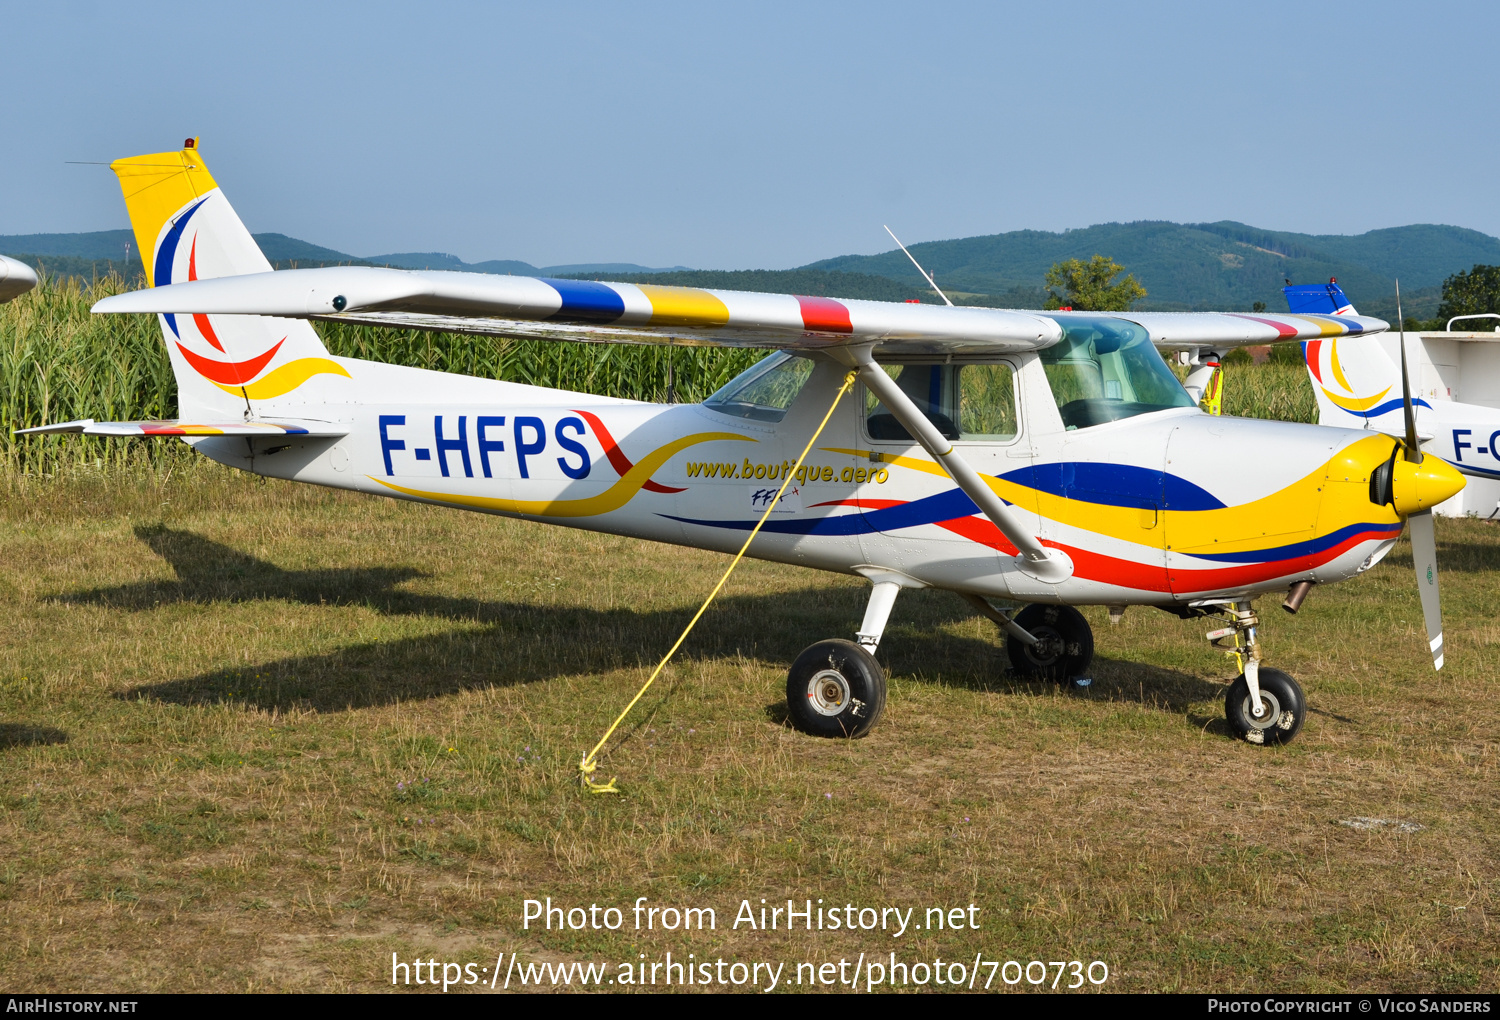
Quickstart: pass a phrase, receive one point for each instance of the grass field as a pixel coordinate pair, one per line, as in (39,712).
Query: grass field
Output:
(260,736)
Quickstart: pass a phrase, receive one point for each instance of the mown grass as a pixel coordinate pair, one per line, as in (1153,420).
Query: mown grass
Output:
(261,736)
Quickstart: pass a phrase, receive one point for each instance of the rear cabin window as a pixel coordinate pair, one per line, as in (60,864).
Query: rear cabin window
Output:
(973,402)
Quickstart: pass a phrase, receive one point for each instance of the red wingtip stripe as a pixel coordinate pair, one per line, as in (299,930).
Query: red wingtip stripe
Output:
(1280,327)
(824,315)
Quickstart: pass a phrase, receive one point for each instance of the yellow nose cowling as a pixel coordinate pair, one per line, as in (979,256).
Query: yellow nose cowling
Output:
(1416,487)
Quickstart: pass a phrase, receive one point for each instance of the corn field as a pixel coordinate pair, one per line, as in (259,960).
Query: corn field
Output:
(58,363)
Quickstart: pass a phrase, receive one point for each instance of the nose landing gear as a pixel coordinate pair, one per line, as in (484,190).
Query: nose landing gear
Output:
(1263,705)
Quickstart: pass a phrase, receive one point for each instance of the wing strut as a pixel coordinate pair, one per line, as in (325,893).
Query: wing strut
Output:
(1036,560)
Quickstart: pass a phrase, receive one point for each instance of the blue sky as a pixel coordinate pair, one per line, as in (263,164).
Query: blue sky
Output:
(728,136)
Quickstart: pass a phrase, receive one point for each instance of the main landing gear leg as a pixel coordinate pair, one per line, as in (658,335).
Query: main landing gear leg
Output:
(1263,705)
(836,688)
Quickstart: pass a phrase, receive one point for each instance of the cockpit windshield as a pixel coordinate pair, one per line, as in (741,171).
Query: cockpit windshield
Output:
(1106,369)
(765,390)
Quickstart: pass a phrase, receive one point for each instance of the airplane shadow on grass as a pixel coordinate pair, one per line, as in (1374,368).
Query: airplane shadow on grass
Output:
(506,643)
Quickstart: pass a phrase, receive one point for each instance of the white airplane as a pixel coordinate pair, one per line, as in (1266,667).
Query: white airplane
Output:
(1358,385)
(16,278)
(1045,458)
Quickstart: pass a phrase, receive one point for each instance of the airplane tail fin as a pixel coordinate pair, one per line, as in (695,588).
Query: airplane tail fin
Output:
(226,365)
(1356,382)
(1321,298)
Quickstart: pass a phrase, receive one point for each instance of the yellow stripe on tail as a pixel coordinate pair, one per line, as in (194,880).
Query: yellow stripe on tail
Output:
(156,187)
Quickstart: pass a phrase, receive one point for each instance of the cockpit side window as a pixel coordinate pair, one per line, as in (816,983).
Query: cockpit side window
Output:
(765,390)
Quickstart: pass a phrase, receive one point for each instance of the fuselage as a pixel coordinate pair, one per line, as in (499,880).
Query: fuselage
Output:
(1158,508)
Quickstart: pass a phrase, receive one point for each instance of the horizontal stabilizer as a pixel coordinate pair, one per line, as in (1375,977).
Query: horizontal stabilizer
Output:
(137,429)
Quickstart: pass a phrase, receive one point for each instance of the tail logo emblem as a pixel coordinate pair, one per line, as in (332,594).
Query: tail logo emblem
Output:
(236,377)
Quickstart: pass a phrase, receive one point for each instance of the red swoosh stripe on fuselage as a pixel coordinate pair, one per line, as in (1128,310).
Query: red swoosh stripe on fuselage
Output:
(616,456)
(1094,566)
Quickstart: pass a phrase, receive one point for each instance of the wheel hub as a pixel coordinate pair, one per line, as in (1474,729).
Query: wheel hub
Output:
(1270,711)
(828,692)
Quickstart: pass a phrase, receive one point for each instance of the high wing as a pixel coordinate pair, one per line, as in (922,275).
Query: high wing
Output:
(143,429)
(521,306)
(527,307)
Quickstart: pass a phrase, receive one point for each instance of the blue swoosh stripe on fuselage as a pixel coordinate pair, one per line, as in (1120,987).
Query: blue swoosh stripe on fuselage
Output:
(945,506)
(1296,549)
(1123,485)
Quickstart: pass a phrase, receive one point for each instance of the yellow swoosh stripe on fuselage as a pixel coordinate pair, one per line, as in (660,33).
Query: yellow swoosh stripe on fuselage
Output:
(612,498)
(1230,529)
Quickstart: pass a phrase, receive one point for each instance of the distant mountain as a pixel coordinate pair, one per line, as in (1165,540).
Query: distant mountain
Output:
(812,282)
(1223,265)
(100,244)
(440,260)
(103,251)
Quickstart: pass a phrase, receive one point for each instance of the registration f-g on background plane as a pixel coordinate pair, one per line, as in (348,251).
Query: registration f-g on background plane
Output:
(1045,458)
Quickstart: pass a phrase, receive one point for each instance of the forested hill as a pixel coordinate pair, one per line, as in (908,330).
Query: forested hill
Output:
(1204,265)
(1223,265)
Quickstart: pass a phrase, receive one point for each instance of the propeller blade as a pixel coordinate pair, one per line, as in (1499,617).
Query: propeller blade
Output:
(1413,450)
(1424,556)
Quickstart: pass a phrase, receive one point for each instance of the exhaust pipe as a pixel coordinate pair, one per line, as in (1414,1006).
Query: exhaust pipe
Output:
(1295,595)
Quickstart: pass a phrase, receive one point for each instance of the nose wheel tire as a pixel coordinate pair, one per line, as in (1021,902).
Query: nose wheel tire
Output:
(1284,707)
(835,689)
(1064,648)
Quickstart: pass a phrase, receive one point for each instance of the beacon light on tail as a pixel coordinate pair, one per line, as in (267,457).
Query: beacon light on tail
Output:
(1050,459)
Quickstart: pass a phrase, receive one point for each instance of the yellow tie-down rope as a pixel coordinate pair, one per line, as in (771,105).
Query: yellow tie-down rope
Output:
(590,761)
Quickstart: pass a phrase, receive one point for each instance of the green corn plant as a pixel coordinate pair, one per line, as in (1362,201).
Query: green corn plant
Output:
(58,362)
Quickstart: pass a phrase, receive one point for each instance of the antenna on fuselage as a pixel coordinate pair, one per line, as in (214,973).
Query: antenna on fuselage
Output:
(926,275)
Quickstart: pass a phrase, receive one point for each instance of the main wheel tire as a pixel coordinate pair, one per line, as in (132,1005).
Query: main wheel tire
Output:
(1064,648)
(1283,700)
(835,689)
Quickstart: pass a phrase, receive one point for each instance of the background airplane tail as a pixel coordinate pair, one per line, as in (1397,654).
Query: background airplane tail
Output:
(227,366)
(1356,382)
(1320,298)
